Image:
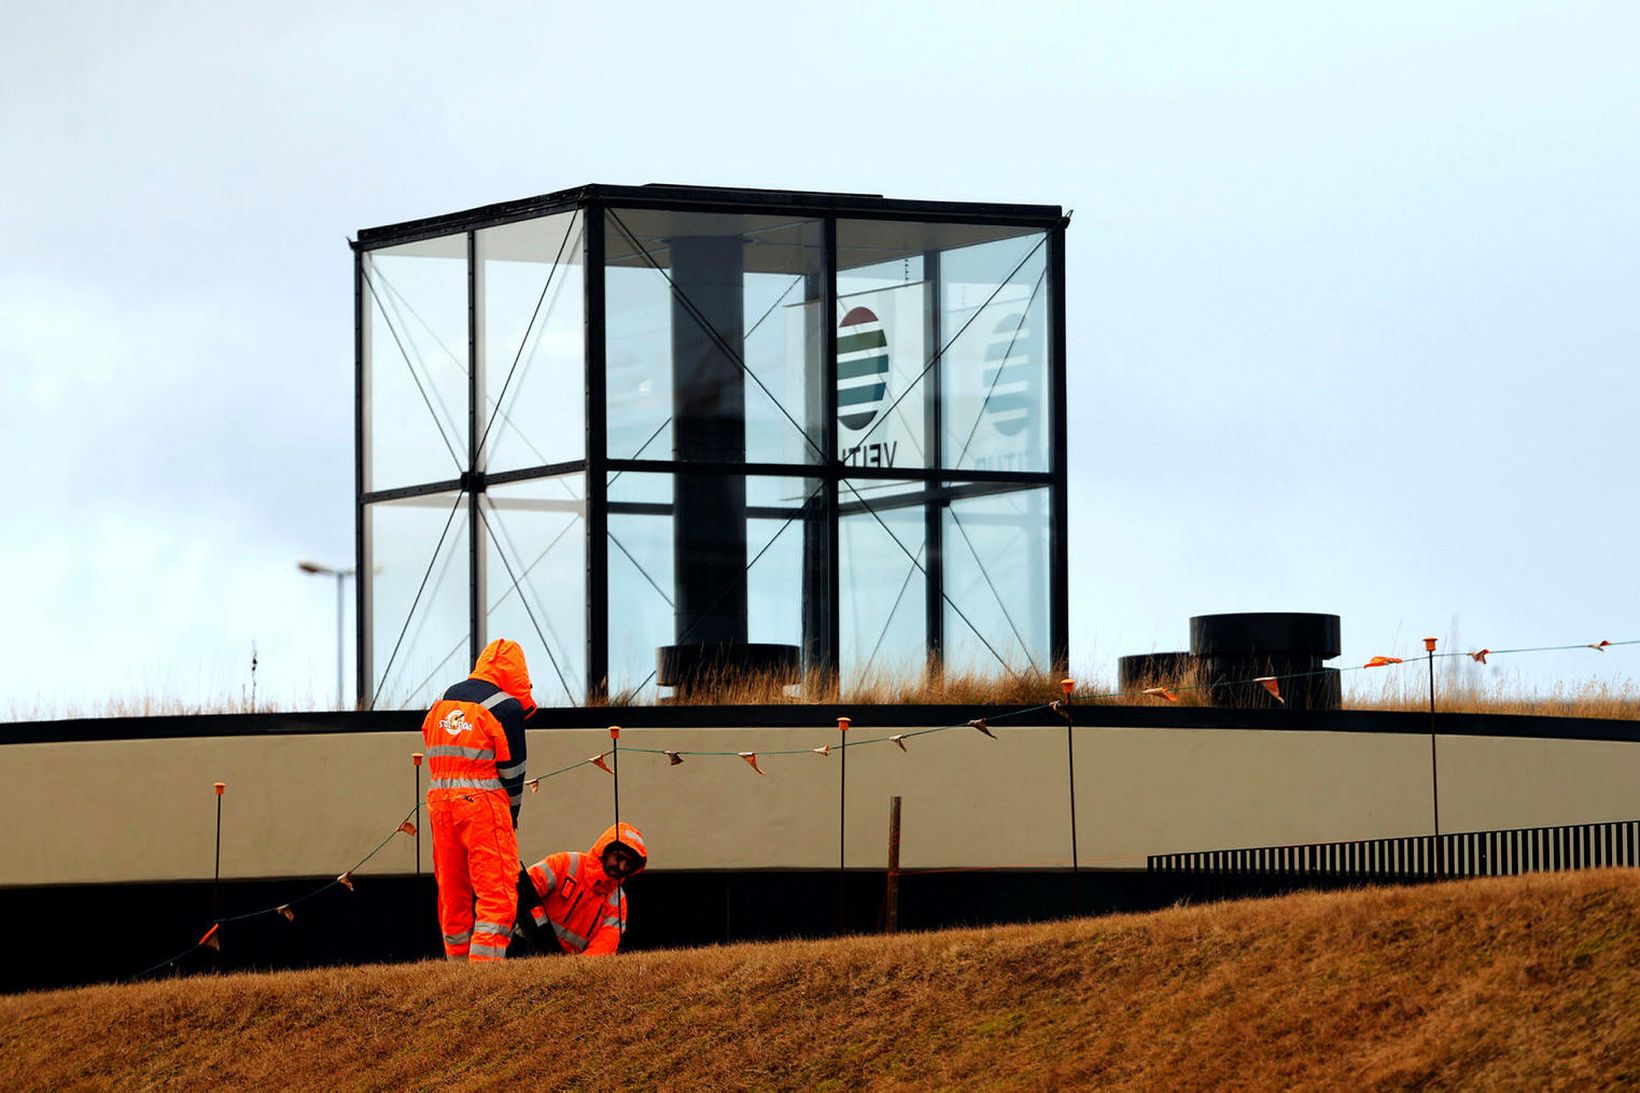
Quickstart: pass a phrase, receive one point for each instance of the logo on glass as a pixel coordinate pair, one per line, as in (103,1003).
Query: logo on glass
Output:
(862,368)
(1011,360)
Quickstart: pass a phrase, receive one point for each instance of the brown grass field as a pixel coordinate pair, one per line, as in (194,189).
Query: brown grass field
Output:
(1526,982)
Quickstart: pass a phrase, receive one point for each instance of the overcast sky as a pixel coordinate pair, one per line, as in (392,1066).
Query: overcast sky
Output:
(1354,290)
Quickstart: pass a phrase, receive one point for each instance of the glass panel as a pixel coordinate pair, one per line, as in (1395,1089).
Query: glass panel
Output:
(532,287)
(996,581)
(883,587)
(882,351)
(416,362)
(984,324)
(418,569)
(712,315)
(535,580)
(653,604)
(994,370)
(641,593)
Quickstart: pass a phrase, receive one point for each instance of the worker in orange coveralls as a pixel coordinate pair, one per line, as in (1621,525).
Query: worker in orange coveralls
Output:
(475,760)
(580,895)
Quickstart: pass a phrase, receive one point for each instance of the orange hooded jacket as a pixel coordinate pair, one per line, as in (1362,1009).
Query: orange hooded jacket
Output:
(474,737)
(586,907)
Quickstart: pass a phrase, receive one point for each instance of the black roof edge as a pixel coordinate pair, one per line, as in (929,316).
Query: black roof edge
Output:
(706,198)
(867,718)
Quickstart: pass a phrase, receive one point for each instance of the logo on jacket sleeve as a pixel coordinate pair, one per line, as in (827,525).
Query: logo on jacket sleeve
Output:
(454,723)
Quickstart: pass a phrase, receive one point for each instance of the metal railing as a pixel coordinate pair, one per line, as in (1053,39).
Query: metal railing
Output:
(1462,854)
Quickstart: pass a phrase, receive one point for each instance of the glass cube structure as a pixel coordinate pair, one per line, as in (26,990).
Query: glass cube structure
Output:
(654,431)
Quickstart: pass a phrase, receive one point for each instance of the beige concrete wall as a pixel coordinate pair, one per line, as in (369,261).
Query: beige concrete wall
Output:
(315,804)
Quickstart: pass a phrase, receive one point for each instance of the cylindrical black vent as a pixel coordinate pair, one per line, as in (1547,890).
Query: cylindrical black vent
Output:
(1235,649)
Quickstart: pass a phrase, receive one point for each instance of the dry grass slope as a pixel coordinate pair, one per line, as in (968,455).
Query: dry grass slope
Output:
(1519,982)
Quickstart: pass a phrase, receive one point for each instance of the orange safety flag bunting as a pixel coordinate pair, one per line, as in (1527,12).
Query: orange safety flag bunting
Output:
(1599,646)
(1161,692)
(979,723)
(210,939)
(1481,656)
(899,738)
(824,749)
(534,784)
(672,758)
(346,880)
(408,827)
(1273,687)
(284,909)
(1379,662)
(751,760)
(598,761)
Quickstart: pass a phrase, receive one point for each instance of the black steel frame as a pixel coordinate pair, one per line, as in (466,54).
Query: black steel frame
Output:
(939,485)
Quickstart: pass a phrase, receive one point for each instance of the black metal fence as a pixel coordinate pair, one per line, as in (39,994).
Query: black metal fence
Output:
(1423,857)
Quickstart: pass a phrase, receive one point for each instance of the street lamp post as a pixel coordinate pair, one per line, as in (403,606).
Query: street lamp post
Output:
(341,575)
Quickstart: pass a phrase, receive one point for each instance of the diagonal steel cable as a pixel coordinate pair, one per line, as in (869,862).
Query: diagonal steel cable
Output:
(525,600)
(983,572)
(723,346)
(749,332)
(437,548)
(887,622)
(939,354)
(539,558)
(501,396)
(980,414)
(370,285)
(948,600)
(741,580)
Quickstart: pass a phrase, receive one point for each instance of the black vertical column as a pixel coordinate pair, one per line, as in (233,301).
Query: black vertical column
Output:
(475,472)
(597,513)
(828,443)
(933,439)
(709,424)
(1059,641)
(817,648)
(362,589)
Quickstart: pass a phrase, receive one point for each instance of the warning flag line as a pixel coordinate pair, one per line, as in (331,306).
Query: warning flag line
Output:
(211,938)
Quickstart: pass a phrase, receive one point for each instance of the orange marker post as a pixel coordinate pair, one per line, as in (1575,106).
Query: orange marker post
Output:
(1434,766)
(615,753)
(842,821)
(216,879)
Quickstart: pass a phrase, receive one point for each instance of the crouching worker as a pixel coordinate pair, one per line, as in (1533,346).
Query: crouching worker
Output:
(475,760)
(577,899)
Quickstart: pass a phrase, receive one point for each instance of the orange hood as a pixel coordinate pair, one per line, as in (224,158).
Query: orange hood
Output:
(502,663)
(629,837)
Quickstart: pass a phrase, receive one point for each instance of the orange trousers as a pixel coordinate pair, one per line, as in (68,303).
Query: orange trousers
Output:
(475,861)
